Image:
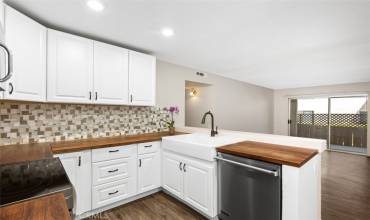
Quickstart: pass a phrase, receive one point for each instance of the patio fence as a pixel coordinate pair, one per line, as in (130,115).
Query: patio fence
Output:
(346,129)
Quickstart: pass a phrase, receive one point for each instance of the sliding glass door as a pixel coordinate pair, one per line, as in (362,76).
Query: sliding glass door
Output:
(342,121)
(309,118)
(348,124)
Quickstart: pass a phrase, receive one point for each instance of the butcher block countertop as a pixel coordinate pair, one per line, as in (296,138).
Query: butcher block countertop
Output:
(38,151)
(24,152)
(279,154)
(52,207)
(85,144)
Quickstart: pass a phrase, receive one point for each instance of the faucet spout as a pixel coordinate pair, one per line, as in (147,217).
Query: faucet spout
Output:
(213,131)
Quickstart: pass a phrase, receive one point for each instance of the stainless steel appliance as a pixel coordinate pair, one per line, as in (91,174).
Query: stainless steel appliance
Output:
(248,189)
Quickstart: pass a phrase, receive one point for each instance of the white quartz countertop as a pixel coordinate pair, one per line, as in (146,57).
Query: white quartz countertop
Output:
(228,137)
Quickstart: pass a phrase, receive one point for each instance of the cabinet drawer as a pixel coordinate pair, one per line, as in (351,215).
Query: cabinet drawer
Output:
(110,153)
(111,170)
(148,147)
(112,192)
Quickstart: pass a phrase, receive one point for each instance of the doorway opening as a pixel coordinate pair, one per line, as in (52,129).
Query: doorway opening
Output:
(199,98)
(342,121)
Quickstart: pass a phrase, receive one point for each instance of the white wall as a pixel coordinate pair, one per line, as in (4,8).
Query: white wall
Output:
(236,105)
(281,104)
(195,106)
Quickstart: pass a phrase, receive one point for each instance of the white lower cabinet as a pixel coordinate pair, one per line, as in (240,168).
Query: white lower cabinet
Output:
(172,175)
(108,171)
(198,185)
(191,180)
(111,192)
(149,168)
(114,174)
(78,168)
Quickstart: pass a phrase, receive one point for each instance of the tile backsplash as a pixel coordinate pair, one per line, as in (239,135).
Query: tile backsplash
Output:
(40,122)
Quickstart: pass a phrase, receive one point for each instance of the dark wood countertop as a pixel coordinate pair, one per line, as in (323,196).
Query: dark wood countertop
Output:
(51,207)
(39,151)
(24,152)
(85,144)
(280,154)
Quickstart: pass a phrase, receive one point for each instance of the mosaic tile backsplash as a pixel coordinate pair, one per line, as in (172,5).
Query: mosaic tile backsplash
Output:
(34,122)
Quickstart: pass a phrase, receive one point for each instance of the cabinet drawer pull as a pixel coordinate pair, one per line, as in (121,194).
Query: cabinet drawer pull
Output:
(112,171)
(180,166)
(146,146)
(113,151)
(112,193)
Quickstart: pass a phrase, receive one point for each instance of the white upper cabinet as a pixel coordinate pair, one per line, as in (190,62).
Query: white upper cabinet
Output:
(142,78)
(110,74)
(70,68)
(53,66)
(26,41)
(2,19)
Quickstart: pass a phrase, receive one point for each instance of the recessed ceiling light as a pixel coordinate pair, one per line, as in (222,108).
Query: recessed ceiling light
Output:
(167,32)
(95,5)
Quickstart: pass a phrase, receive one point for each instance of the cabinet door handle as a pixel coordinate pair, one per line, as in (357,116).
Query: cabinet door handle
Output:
(130,98)
(148,146)
(112,193)
(113,151)
(139,162)
(90,95)
(96,96)
(184,167)
(79,161)
(8,64)
(112,171)
(180,166)
(11,88)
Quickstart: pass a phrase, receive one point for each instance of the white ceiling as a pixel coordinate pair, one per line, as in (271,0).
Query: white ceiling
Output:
(272,43)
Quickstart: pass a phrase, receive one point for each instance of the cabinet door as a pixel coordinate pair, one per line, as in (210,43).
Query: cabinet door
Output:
(149,172)
(198,185)
(78,168)
(110,74)
(26,41)
(70,68)
(2,21)
(172,179)
(142,75)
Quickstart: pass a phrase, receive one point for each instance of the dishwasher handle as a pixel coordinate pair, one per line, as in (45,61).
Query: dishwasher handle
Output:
(271,172)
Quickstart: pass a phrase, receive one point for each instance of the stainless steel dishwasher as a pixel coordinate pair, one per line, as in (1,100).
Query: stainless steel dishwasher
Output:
(248,189)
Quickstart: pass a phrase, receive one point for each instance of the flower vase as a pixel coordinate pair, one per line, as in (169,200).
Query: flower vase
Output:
(172,130)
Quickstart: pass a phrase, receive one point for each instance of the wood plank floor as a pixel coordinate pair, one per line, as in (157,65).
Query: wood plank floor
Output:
(345,195)
(158,206)
(345,186)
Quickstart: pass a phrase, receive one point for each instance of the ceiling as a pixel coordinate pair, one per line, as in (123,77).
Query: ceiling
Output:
(272,43)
